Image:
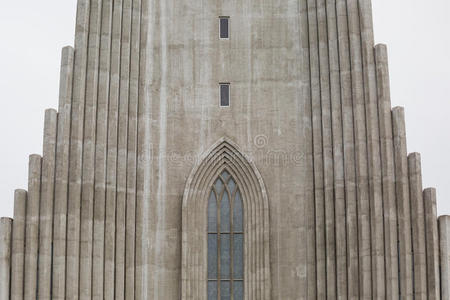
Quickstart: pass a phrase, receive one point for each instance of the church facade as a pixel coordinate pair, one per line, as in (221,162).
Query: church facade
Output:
(225,150)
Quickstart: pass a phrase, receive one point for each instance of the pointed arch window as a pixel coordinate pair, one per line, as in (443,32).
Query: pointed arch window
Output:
(225,240)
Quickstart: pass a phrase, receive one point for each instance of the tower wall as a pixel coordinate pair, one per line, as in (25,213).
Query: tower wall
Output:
(310,108)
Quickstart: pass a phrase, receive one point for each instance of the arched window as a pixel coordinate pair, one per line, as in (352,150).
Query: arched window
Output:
(225,240)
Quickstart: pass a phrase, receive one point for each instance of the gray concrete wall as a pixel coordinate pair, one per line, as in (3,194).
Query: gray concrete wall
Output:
(310,108)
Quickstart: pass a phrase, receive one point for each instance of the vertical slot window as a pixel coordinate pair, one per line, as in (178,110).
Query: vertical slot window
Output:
(224,27)
(224,94)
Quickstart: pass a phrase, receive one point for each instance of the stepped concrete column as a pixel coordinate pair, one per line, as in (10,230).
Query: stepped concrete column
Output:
(444,245)
(432,243)
(46,205)
(418,226)
(32,227)
(403,204)
(18,245)
(5,257)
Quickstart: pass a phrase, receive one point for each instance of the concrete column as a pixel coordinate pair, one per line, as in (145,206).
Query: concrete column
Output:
(76,150)
(432,244)
(327,144)
(18,245)
(6,225)
(338,148)
(349,151)
(32,227)
(373,148)
(388,173)
(418,226)
(132,153)
(403,204)
(46,205)
(111,176)
(122,150)
(88,163)
(364,226)
(143,170)
(317,151)
(61,177)
(101,152)
(444,245)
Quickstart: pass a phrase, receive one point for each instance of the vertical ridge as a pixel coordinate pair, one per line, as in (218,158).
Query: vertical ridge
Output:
(62,175)
(89,142)
(6,226)
(111,175)
(18,245)
(46,205)
(101,151)
(122,150)
(132,152)
(32,227)
(418,226)
(388,173)
(76,150)
(349,150)
(403,204)
(444,245)
(317,151)
(432,244)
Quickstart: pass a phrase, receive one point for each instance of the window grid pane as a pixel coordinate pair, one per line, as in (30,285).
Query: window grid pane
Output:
(226,247)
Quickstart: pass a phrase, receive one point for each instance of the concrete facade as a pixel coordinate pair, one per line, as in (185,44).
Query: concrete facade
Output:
(333,204)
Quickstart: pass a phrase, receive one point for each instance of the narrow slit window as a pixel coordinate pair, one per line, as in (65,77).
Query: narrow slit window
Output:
(224,94)
(224,24)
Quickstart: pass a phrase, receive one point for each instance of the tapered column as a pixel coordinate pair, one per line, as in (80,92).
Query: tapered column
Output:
(432,243)
(76,150)
(32,227)
(46,205)
(61,177)
(18,245)
(418,226)
(122,150)
(327,144)
(317,151)
(403,204)
(444,245)
(111,175)
(88,163)
(364,226)
(98,250)
(5,257)
(349,151)
(132,153)
(388,173)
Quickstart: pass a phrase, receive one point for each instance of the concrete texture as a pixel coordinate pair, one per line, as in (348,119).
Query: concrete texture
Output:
(333,205)
(444,245)
(5,256)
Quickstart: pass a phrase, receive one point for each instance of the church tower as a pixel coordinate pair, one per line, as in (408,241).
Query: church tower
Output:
(224,149)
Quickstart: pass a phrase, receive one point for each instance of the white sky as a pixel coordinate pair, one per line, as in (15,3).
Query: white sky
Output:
(33,33)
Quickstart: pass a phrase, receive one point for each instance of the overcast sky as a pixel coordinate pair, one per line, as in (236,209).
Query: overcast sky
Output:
(33,33)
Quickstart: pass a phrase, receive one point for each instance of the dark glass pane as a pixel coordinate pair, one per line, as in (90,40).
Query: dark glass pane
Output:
(223,28)
(212,290)
(212,213)
(238,256)
(238,290)
(225,213)
(225,290)
(219,186)
(225,256)
(224,95)
(238,218)
(231,185)
(212,256)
